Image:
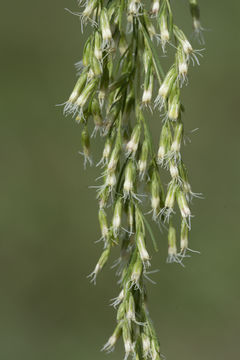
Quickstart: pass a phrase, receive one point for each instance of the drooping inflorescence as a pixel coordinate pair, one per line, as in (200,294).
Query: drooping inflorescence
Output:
(120,77)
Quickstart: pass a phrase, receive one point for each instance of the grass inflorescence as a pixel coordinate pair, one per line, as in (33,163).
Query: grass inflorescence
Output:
(121,78)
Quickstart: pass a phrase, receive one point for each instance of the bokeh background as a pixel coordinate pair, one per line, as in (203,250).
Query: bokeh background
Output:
(48,309)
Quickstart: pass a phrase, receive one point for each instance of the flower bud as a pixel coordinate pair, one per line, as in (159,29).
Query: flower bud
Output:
(130,315)
(123,45)
(96,113)
(106,152)
(87,53)
(182,63)
(195,12)
(142,163)
(155,194)
(183,205)
(164,142)
(98,45)
(177,137)
(104,82)
(150,27)
(134,7)
(111,180)
(184,236)
(168,82)
(127,339)
(187,47)
(174,103)
(95,65)
(172,242)
(129,179)
(155,6)
(86,144)
(147,59)
(117,215)
(170,197)
(101,262)
(109,346)
(78,87)
(114,158)
(87,91)
(142,248)
(164,32)
(121,311)
(146,345)
(148,90)
(155,350)
(105,26)
(137,271)
(130,216)
(89,8)
(103,223)
(132,144)
(184,177)
(173,170)
(174,108)
(103,197)
(166,87)
(118,300)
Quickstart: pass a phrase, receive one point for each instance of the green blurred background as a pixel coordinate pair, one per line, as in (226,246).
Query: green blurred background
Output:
(48,309)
